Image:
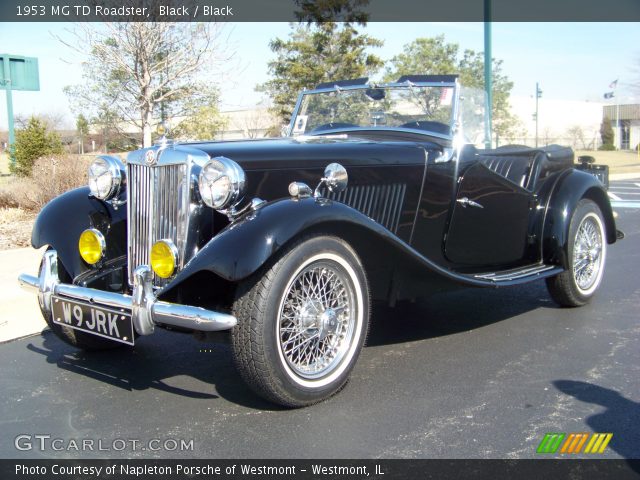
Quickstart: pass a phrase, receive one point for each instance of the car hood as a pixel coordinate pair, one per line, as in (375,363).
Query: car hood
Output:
(314,152)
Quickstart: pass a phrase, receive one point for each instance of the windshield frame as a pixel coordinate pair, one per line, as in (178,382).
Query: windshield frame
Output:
(453,127)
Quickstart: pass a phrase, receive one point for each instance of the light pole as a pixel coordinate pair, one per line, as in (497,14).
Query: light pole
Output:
(535,115)
(488,78)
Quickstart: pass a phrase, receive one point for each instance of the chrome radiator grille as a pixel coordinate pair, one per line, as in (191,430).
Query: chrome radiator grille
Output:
(158,208)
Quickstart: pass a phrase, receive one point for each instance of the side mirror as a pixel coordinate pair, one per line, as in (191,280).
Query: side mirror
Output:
(336,177)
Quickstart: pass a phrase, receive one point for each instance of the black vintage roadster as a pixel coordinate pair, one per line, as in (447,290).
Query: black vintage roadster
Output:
(376,192)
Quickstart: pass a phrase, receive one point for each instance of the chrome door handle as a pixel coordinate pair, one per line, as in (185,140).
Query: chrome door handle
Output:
(465,202)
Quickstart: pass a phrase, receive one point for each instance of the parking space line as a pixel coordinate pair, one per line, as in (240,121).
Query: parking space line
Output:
(614,196)
(625,204)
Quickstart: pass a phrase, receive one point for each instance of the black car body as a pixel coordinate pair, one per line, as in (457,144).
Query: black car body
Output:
(424,210)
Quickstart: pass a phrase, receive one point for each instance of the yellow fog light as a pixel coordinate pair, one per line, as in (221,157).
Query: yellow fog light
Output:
(164,257)
(91,246)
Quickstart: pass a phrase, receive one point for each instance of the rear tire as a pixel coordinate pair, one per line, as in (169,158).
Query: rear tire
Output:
(586,255)
(302,322)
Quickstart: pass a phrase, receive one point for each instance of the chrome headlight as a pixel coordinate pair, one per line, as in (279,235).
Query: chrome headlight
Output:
(106,175)
(221,183)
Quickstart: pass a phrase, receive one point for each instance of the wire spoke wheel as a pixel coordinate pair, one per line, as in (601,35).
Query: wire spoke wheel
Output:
(587,253)
(302,324)
(317,319)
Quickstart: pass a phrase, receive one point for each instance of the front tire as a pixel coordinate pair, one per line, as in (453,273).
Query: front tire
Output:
(587,251)
(302,322)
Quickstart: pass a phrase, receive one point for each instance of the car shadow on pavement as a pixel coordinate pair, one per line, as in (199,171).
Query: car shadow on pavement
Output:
(454,312)
(159,359)
(621,416)
(156,359)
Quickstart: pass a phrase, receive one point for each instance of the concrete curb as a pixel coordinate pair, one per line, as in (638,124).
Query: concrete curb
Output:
(19,312)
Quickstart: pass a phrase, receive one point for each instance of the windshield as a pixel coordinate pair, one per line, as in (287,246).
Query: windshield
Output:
(473,104)
(427,108)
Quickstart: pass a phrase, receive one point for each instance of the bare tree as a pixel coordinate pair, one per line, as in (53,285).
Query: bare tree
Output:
(254,123)
(548,136)
(578,139)
(142,72)
(51,120)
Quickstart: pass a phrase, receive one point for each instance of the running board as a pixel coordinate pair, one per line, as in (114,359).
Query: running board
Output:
(519,275)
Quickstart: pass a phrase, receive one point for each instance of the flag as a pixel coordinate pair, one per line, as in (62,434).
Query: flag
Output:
(614,84)
(446,96)
(608,95)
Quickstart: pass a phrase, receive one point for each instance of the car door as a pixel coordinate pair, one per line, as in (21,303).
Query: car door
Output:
(490,220)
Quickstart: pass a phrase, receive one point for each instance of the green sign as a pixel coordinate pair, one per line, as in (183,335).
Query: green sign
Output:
(17,73)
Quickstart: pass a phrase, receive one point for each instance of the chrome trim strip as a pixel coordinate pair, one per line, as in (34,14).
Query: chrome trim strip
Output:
(146,310)
(514,275)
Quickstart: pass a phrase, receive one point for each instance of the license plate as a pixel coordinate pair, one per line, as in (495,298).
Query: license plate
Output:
(101,321)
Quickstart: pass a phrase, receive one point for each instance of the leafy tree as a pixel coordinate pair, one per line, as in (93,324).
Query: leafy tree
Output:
(82,127)
(320,11)
(107,123)
(316,53)
(134,70)
(32,142)
(606,134)
(204,123)
(435,56)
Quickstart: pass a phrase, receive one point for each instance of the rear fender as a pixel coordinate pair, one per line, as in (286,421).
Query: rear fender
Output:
(570,189)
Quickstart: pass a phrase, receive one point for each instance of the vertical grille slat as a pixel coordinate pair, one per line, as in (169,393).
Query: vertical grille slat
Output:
(382,203)
(154,202)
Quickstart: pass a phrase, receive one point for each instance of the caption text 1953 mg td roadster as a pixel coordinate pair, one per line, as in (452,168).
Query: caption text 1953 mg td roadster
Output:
(376,192)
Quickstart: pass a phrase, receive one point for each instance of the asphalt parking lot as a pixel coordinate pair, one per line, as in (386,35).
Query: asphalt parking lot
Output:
(471,374)
(625,194)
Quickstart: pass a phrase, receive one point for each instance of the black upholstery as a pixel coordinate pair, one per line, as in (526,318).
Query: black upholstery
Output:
(553,158)
(524,165)
(512,167)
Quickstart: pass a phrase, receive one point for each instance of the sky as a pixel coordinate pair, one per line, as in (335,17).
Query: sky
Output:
(571,61)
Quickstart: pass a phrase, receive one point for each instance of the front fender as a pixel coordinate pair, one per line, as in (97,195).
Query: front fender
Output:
(63,219)
(570,189)
(245,245)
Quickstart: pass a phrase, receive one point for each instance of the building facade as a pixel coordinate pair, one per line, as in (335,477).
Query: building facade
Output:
(625,121)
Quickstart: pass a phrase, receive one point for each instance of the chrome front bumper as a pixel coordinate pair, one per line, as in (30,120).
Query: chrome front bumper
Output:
(146,310)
